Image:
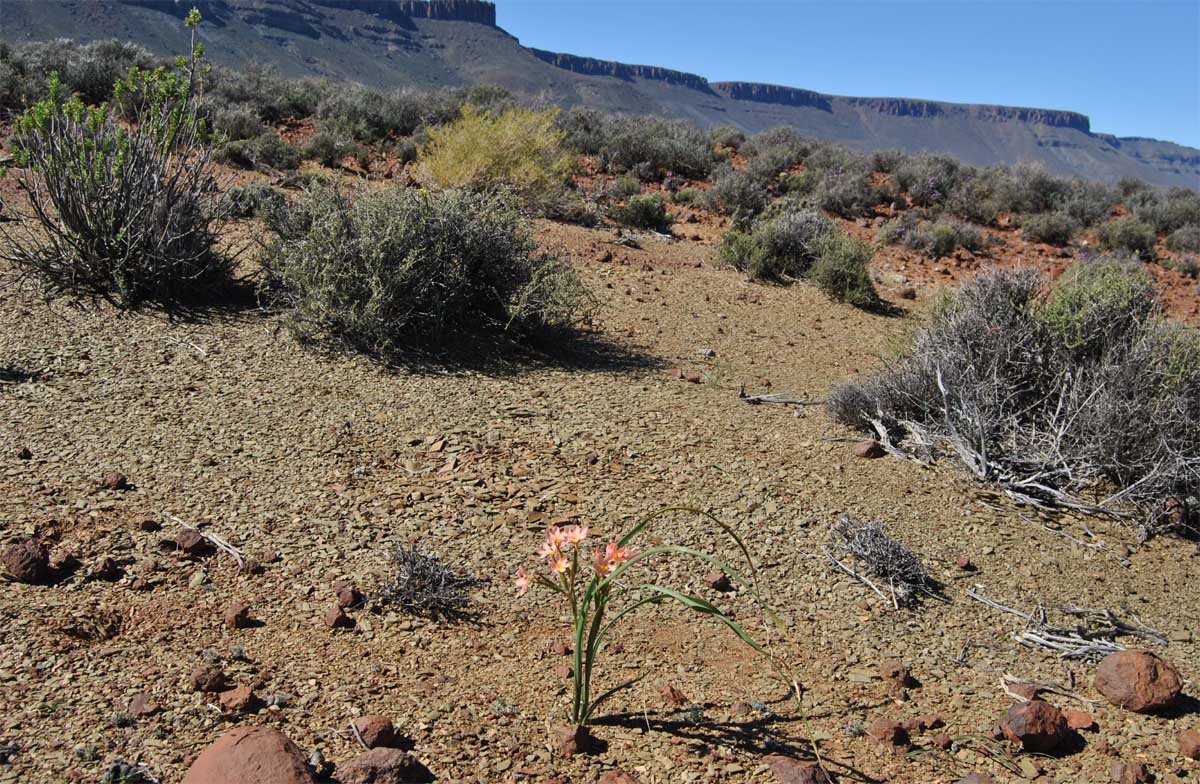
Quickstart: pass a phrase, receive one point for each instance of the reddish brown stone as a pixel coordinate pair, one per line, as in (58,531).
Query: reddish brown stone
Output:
(890,734)
(896,672)
(977,778)
(571,740)
(869,449)
(1038,726)
(114,480)
(141,705)
(1138,681)
(672,696)
(105,569)
(941,741)
(377,731)
(965,564)
(262,755)
(564,672)
(793,771)
(335,618)
(382,766)
(26,562)
(347,595)
(561,649)
(718,581)
(1189,744)
(618,776)
(237,615)
(1025,690)
(1078,720)
(208,679)
(191,542)
(926,721)
(1129,773)
(907,292)
(240,699)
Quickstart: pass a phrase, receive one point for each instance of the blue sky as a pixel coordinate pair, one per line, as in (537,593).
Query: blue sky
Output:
(1133,66)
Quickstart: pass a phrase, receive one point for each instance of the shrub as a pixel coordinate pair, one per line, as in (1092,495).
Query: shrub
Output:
(1055,392)
(780,248)
(327,147)
(255,199)
(406,266)
(122,214)
(934,240)
(898,567)
(1128,234)
(928,179)
(887,161)
(1169,210)
(1185,238)
(728,137)
(1029,188)
(1186,265)
(1052,228)
(519,150)
(842,270)
(623,187)
(421,584)
(737,193)
(267,149)
(237,123)
(687,196)
(1089,202)
(643,212)
(646,147)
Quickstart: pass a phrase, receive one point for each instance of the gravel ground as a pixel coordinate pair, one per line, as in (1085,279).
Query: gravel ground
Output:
(329,462)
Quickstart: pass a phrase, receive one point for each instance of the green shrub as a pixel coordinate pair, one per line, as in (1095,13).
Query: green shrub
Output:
(623,187)
(1096,302)
(255,199)
(647,147)
(238,123)
(1185,238)
(327,147)
(849,194)
(928,179)
(1169,210)
(728,137)
(736,193)
(1089,203)
(887,161)
(644,212)
(687,196)
(799,183)
(1029,188)
(406,267)
(779,248)
(518,150)
(843,270)
(1128,234)
(1185,265)
(121,214)
(267,149)
(1052,228)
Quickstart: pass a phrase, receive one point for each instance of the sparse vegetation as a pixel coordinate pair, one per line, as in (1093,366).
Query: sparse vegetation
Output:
(1128,234)
(407,267)
(421,584)
(842,270)
(867,542)
(780,248)
(1052,228)
(1185,238)
(647,211)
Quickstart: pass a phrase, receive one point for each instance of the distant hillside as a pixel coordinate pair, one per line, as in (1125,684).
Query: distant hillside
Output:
(388,43)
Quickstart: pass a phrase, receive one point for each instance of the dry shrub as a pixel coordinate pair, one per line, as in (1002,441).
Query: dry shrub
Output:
(403,267)
(891,561)
(1077,394)
(420,584)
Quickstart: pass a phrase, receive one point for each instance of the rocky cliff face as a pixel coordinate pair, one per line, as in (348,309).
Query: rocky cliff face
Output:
(773,93)
(591,67)
(298,15)
(908,107)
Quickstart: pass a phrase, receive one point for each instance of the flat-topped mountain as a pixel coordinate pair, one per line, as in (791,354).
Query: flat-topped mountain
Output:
(431,43)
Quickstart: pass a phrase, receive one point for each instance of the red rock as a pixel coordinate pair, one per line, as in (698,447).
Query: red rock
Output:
(977,778)
(1026,690)
(1078,720)
(965,564)
(1138,681)
(377,731)
(869,449)
(240,699)
(262,755)
(672,696)
(1189,744)
(571,740)
(564,672)
(890,734)
(268,557)
(347,595)
(692,378)
(793,771)
(926,721)
(941,741)
(237,615)
(741,708)
(191,542)
(335,618)
(105,569)
(141,705)
(1038,726)
(618,776)
(1129,773)
(896,672)
(208,679)
(114,480)
(718,581)
(26,562)
(561,649)
(382,766)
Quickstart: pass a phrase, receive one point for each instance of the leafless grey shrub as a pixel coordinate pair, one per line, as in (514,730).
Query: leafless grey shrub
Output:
(892,562)
(422,585)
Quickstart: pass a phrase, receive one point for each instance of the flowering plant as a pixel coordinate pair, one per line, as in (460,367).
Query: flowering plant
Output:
(588,596)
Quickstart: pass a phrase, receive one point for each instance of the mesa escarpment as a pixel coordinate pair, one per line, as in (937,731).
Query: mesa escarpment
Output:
(590,66)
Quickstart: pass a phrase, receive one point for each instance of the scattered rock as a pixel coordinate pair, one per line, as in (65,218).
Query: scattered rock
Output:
(1189,744)
(347,595)
(941,741)
(571,740)
(26,562)
(240,699)
(672,696)
(965,564)
(1079,720)
(1038,726)
(561,649)
(926,721)
(259,754)
(1129,773)
(105,569)
(890,734)
(692,378)
(382,766)
(869,449)
(141,705)
(208,679)
(237,615)
(618,776)
(377,731)
(564,672)
(741,708)
(718,581)
(977,778)
(336,618)
(707,353)
(191,542)
(24,454)
(898,673)
(1138,681)
(114,480)
(794,771)
(1027,691)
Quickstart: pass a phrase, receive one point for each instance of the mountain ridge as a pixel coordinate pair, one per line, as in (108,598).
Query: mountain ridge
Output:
(434,43)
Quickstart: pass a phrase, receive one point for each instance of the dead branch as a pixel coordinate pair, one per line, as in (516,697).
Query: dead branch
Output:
(213,539)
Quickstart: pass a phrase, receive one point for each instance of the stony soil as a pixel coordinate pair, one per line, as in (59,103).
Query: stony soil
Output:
(330,461)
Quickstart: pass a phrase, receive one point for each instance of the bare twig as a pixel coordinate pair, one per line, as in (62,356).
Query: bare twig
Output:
(213,539)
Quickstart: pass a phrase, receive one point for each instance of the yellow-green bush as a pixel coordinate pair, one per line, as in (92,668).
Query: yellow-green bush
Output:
(519,150)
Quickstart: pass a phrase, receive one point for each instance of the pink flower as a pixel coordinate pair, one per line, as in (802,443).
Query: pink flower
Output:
(556,536)
(561,564)
(548,550)
(601,564)
(576,534)
(522,582)
(613,556)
